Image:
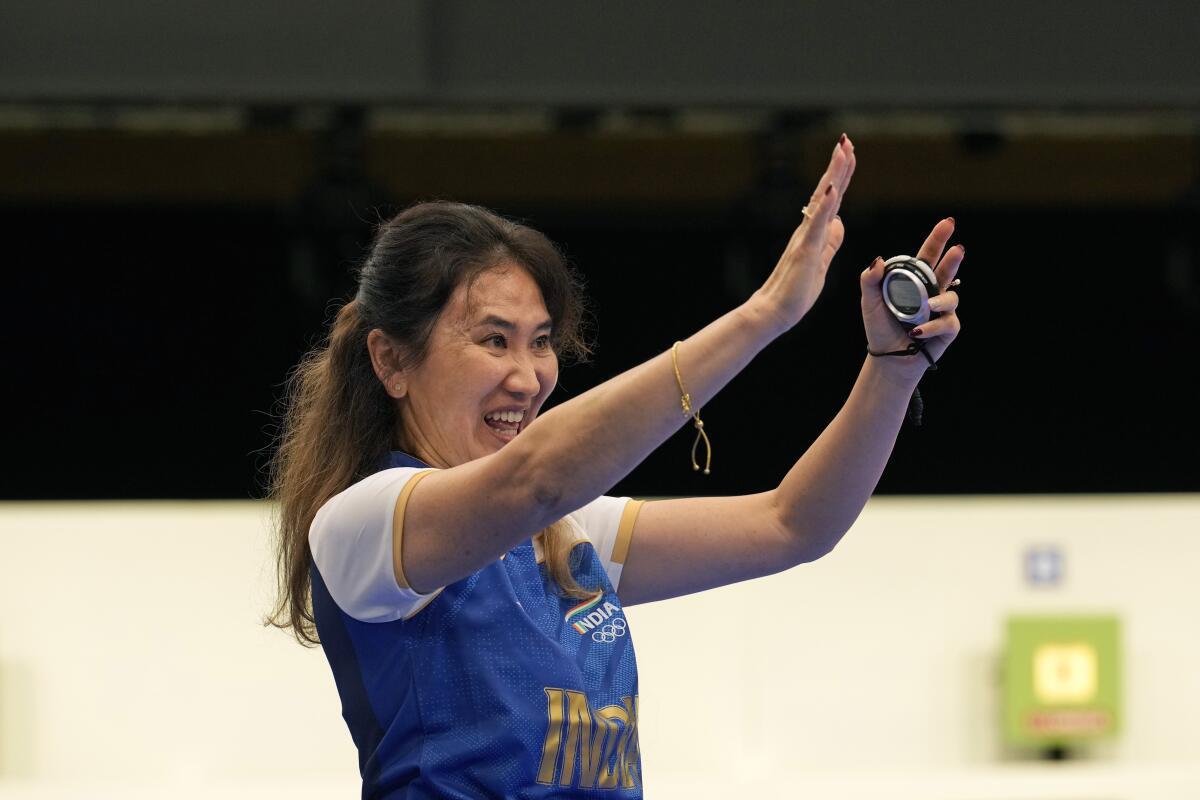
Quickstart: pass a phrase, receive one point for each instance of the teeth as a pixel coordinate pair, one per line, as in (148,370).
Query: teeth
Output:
(506,416)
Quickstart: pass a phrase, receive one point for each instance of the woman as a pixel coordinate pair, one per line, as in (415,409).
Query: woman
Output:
(466,575)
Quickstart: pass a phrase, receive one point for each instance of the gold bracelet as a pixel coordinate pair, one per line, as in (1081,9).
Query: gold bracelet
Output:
(685,400)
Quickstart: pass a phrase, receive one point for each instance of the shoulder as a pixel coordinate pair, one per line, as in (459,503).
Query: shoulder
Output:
(607,522)
(351,543)
(371,500)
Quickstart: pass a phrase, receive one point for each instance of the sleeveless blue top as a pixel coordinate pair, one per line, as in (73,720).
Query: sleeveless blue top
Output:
(498,687)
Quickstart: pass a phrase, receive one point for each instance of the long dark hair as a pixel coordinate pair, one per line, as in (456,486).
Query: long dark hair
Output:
(340,424)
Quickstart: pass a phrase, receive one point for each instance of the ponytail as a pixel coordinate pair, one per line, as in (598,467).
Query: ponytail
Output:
(557,545)
(337,428)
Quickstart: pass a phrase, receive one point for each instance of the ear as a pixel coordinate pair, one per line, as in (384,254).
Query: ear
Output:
(386,359)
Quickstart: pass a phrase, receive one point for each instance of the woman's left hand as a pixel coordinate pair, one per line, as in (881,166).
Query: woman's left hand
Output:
(884,332)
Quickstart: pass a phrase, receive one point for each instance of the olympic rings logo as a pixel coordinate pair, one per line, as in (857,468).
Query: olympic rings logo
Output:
(610,632)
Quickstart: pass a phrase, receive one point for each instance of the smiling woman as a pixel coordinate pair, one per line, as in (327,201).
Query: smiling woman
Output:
(488,369)
(397,358)
(452,549)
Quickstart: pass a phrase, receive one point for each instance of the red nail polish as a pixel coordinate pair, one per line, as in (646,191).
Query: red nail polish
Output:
(829,188)
(915,332)
(842,139)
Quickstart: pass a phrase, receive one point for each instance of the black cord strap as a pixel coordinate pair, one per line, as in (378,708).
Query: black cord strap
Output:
(916,405)
(912,349)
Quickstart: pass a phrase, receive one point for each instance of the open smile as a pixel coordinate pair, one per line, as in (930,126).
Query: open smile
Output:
(505,424)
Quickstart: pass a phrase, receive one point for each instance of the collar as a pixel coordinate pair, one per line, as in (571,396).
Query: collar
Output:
(398,458)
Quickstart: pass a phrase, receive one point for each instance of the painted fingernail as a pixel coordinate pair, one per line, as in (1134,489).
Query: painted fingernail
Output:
(914,333)
(842,139)
(829,188)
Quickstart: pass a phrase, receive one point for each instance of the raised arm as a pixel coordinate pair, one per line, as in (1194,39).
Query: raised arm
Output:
(459,519)
(687,545)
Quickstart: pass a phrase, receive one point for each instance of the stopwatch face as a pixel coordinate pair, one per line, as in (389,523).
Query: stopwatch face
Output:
(904,294)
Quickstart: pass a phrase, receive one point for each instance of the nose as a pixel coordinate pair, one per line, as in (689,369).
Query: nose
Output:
(523,377)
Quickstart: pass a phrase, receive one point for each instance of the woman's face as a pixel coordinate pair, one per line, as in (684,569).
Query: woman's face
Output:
(487,372)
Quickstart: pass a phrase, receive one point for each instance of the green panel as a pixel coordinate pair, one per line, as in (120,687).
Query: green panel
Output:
(1062,679)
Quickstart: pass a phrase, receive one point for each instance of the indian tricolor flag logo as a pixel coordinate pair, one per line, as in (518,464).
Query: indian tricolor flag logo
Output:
(590,613)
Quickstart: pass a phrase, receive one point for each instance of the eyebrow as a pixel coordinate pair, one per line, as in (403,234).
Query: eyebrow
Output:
(500,322)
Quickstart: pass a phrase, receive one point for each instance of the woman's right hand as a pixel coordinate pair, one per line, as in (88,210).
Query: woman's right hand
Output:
(797,280)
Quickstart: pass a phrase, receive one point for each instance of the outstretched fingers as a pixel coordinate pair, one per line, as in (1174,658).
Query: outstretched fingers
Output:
(935,243)
(947,268)
(837,174)
(832,187)
(819,230)
(849,172)
(817,233)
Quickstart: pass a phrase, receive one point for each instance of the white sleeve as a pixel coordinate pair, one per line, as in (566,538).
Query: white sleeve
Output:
(351,539)
(608,523)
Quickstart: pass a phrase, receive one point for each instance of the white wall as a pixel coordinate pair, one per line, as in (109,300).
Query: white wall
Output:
(132,659)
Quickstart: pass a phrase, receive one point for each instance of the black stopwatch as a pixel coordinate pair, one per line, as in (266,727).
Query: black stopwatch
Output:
(908,283)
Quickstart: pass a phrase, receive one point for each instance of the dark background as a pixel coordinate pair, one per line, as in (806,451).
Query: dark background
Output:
(184,196)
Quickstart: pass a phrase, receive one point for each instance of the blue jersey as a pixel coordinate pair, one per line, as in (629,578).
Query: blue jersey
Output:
(494,686)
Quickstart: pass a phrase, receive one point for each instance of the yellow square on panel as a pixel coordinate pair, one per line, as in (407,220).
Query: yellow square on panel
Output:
(1064,673)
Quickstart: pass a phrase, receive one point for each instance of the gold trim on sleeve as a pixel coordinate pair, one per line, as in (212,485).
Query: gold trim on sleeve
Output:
(398,527)
(629,516)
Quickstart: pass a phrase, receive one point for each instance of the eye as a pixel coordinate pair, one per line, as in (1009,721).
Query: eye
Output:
(542,342)
(496,340)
